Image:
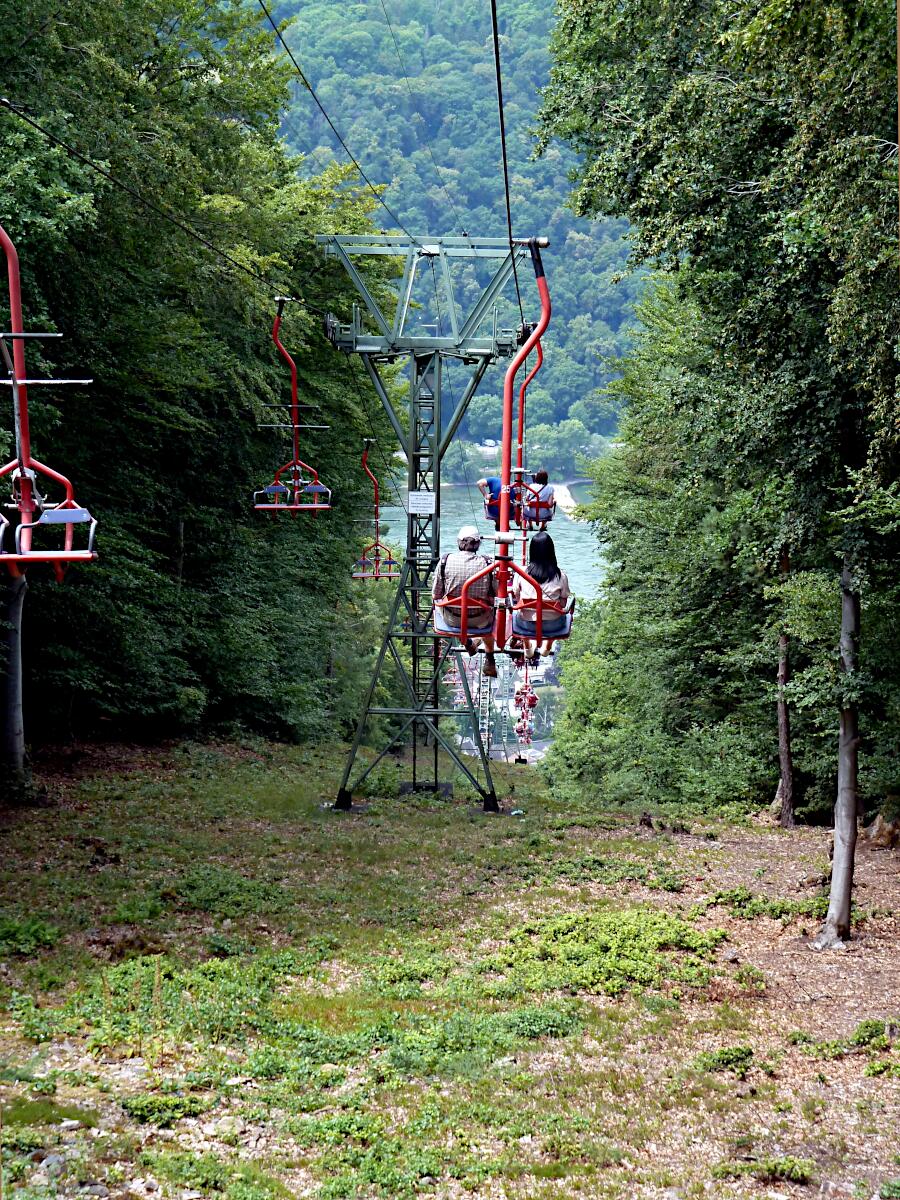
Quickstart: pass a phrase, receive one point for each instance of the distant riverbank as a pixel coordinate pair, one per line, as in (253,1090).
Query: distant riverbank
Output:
(567,497)
(576,543)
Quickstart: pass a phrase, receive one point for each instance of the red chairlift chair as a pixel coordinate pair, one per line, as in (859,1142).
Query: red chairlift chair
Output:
(303,491)
(377,560)
(36,513)
(468,609)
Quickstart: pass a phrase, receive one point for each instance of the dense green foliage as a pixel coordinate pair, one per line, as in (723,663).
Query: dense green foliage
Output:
(752,148)
(200,609)
(428,128)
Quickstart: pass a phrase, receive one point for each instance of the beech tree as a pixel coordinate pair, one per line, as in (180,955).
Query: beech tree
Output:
(199,611)
(765,185)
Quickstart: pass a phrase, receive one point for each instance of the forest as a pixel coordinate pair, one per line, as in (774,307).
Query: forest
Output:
(665,965)
(197,606)
(751,513)
(415,98)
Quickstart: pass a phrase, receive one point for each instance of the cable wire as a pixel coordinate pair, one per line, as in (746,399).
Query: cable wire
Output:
(389,469)
(465,467)
(371,186)
(497,70)
(151,205)
(459,223)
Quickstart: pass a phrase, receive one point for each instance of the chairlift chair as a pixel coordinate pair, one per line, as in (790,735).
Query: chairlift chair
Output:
(303,491)
(35,512)
(377,560)
(302,495)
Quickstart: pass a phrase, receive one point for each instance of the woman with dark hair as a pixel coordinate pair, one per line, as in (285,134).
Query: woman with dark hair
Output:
(539,501)
(554,583)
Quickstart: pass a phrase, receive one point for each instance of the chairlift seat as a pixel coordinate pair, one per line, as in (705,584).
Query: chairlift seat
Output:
(445,629)
(561,627)
(363,568)
(556,621)
(56,556)
(61,515)
(537,514)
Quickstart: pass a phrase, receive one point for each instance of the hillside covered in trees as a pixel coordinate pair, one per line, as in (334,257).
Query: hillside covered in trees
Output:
(410,85)
(751,513)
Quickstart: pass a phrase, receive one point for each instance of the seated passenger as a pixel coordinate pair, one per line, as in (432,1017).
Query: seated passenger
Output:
(543,569)
(452,572)
(490,489)
(539,501)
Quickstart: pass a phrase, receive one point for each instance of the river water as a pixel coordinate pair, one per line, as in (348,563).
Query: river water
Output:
(576,544)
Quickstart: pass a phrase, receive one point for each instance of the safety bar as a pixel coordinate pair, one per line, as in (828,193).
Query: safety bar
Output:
(564,610)
(60,516)
(464,601)
(43,382)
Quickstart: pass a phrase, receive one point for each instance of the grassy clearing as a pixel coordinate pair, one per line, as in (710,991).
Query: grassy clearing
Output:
(214,986)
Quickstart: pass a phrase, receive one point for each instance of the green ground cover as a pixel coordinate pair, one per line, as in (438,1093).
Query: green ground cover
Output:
(215,986)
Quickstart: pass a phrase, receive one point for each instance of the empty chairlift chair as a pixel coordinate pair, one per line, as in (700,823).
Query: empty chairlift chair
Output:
(33,541)
(377,560)
(303,492)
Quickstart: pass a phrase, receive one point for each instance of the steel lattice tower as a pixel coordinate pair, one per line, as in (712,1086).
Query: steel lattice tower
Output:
(474,339)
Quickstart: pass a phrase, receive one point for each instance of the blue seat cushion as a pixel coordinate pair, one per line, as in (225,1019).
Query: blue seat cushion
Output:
(560,626)
(442,626)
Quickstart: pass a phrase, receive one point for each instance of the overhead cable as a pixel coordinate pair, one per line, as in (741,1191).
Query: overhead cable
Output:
(465,465)
(312,91)
(151,205)
(498,72)
(441,184)
(389,470)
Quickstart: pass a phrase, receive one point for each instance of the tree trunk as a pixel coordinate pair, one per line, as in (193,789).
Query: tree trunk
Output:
(179,553)
(836,929)
(785,758)
(15,774)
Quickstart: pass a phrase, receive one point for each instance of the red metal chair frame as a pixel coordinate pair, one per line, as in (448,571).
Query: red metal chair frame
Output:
(464,605)
(299,486)
(24,467)
(528,497)
(565,609)
(464,602)
(382,558)
(520,449)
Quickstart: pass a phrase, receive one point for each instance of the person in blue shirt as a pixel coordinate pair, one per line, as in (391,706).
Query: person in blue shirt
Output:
(490,489)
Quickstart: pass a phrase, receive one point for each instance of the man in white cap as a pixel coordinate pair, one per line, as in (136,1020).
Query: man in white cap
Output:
(452,572)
